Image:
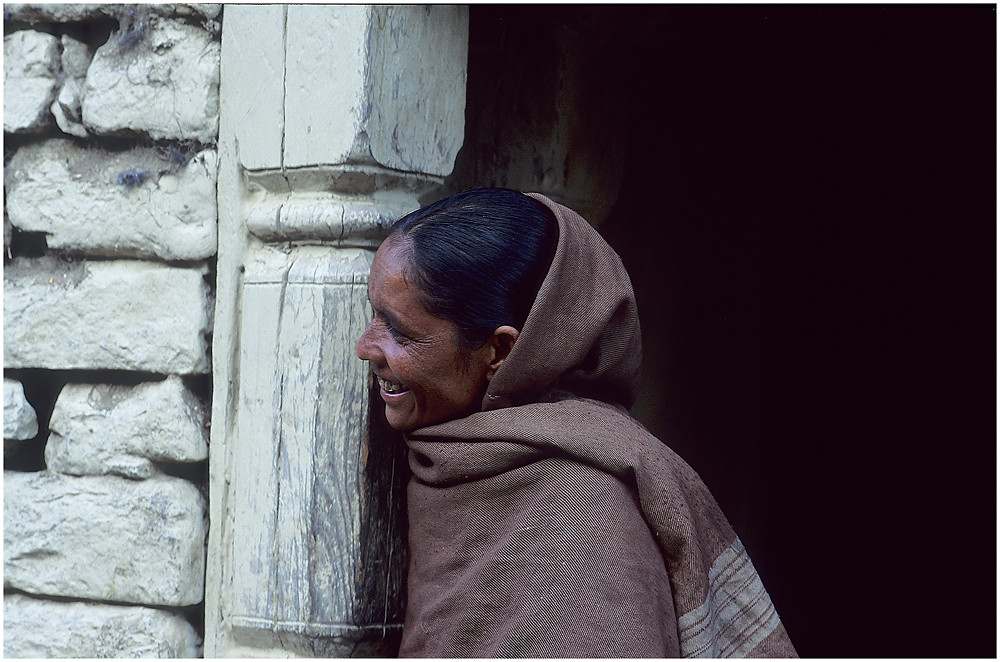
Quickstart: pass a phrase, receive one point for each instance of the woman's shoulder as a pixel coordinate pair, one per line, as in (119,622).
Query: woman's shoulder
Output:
(598,433)
(568,432)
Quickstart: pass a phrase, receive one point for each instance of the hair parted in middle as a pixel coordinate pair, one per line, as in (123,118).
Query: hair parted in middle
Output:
(479,257)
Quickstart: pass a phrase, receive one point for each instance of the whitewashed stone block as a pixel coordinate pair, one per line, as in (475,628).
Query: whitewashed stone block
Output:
(36,12)
(140,203)
(163,83)
(19,419)
(121,315)
(99,429)
(30,80)
(49,629)
(207,10)
(76,57)
(33,12)
(104,538)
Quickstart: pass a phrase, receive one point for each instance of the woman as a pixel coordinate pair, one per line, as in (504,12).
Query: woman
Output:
(544,521)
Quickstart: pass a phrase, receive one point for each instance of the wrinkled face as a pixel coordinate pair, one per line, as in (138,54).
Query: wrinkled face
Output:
(425,375)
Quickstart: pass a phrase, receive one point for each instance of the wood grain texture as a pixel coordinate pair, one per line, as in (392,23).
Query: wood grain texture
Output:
(318,547)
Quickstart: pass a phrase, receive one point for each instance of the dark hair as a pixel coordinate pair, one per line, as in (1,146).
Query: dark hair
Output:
(479,257)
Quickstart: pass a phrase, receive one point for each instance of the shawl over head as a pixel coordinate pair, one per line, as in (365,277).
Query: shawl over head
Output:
(551,524)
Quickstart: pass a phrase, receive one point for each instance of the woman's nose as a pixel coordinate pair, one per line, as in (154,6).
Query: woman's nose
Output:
(365,347)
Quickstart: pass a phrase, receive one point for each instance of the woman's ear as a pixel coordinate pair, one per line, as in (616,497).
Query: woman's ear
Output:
(500,343)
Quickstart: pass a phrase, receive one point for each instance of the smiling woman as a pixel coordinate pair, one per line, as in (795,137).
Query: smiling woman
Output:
(425,373)
(449,289)
(543,520)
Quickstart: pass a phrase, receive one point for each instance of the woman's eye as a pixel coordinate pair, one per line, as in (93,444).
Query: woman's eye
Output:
(384,323)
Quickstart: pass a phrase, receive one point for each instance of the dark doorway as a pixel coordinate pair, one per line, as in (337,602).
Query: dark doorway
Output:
(807,209)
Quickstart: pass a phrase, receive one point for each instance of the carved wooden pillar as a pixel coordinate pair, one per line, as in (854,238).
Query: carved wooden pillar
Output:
(334,120)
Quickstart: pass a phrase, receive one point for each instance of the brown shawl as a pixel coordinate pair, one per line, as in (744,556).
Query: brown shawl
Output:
(551,524)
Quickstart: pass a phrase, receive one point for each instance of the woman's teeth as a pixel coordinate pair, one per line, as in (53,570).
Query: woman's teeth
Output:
(389,387)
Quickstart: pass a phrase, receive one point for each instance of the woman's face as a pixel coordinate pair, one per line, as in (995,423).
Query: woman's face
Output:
(425,375)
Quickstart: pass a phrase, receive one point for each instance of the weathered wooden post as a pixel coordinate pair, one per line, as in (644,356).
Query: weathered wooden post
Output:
(334,119)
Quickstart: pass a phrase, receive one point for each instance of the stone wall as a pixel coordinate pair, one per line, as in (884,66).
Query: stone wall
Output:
(110,230)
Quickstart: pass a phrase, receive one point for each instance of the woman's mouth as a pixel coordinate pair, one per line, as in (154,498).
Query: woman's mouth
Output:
(392,388)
